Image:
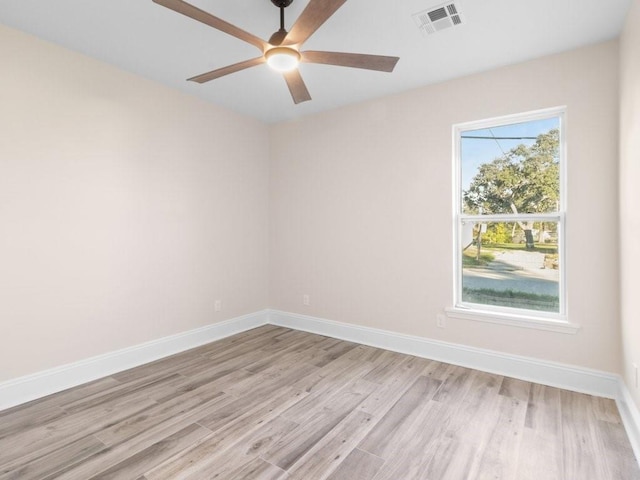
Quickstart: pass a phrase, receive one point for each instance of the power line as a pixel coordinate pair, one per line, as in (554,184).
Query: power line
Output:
(498,143)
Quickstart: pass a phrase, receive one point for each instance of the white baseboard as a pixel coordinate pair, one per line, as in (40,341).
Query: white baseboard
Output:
(544,372)
(630,417)
(24,389)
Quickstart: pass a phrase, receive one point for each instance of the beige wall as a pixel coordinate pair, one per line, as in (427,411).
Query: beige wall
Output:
(126,209)
(629,196)
(361,207)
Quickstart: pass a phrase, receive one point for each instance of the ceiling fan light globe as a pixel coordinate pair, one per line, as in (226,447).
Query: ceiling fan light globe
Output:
(283,59)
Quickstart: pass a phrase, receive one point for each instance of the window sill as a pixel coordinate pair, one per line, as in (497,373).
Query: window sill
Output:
(522,321)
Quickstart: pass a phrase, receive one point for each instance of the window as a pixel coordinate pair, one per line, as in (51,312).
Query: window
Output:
(509,218)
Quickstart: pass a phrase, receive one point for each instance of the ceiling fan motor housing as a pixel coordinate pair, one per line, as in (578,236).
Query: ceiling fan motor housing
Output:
(282,3)
(278,37)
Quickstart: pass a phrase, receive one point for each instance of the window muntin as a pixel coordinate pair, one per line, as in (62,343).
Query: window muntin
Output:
(510,215)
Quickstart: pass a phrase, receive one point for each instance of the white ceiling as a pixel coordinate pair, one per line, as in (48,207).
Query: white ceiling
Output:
(145,38)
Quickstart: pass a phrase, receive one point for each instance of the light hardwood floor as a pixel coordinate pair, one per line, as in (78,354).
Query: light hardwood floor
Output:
(274,403)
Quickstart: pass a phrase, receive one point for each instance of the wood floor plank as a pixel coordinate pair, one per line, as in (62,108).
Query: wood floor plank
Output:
(28,445)
(382,399)
(292,340)
(322,393)
(31,418)
(358,465)
(265,331)
(427,431)
(605,409)
(541,448)
(51,463)
(500,457)
(328,342)
(233,458)
(328,453)
(145,388)
(245,348)
(400,417)
(619,454)
(163,367)
(155,415)
(385,368)
(364,353)
(411,459)
(274,403)
(457,381)
(264,383)
(298,351)
(242,407)
(581,445)
(295,445)
(213,379)
(260,441)
(120,452)
(438,370)
(516,389)
(340,400)
(313,428)
(334,353)
(462,445)
(340,371)
(258,469)
(206,454)
(148,458)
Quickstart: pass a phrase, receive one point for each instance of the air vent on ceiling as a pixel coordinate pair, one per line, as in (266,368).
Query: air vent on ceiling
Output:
(438,18)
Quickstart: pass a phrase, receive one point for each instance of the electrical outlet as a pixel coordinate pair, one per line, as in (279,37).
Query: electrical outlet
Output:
(217,305)
(441,321)
(306,300)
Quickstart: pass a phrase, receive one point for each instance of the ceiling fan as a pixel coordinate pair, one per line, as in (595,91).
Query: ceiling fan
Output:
(282,51)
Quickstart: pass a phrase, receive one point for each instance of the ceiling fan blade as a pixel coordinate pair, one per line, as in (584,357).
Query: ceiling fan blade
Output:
(221,72)
(296,86)
(314,15)
(355,60)
(200,15)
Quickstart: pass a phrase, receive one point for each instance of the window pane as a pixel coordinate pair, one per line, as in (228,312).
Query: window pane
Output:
(511,168)
(512,265)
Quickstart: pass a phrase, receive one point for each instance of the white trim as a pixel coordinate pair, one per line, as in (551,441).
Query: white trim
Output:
(630,417)
(30,387)
(554,374)
(523,321)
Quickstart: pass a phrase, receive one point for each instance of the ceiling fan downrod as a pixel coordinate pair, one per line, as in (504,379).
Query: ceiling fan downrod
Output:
(278,37)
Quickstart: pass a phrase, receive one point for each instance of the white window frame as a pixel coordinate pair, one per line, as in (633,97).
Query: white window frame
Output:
(505,315)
